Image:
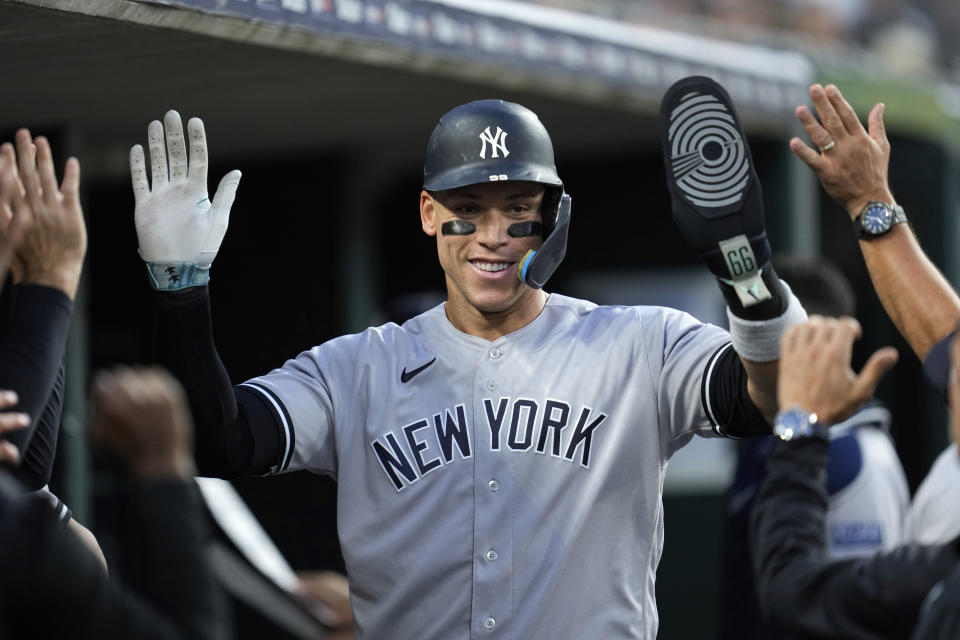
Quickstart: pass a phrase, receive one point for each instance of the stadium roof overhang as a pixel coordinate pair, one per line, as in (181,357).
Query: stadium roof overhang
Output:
(304,75)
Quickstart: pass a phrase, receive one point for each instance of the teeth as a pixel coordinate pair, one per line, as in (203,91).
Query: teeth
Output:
(492,266)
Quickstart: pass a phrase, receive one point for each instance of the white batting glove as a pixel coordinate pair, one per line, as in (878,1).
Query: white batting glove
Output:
(178,227)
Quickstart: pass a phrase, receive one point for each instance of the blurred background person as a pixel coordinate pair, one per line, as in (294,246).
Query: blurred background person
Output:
(52,586)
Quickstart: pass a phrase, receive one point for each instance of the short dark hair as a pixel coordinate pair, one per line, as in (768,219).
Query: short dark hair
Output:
(818,283)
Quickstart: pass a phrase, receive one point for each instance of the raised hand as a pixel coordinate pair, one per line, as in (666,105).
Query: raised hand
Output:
(53,245)
(852,163)
(15,214)
(815,371)
(179,229)
(142,416)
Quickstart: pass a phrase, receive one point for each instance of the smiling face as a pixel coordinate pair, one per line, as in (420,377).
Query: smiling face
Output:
(481,267)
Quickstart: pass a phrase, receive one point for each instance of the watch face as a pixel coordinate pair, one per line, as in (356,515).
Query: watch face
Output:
(877,219)
(793,423)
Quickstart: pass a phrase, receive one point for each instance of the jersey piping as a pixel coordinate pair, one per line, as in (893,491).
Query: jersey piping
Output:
(285,422)
(705,389)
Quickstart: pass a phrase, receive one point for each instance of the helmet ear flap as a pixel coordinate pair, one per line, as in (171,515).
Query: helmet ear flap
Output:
(537,266)
(550,209)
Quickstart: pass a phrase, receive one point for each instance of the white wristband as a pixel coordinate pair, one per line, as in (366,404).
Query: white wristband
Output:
(759,340)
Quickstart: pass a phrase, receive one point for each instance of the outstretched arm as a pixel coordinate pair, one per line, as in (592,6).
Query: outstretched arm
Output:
(180,230)
(717,206)
(853,170)
(48,222)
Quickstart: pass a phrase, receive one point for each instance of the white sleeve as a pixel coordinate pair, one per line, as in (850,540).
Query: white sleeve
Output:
(934,514)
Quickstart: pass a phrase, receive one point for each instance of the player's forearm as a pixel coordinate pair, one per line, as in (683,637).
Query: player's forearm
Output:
(762,386)
(788,527)
(236,430)
(916,296)
(185,346)
(36,461)
(32,351)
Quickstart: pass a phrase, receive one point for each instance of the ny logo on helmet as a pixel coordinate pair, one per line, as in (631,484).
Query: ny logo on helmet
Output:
(498,143)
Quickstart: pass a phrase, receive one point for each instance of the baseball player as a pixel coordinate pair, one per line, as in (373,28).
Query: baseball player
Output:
(500,457)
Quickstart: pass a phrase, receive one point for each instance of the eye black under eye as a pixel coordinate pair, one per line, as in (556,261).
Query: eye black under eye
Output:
(525,229)
(457,228)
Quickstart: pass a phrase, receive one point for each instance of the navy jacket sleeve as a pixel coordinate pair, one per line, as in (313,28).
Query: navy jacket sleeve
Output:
(801,589)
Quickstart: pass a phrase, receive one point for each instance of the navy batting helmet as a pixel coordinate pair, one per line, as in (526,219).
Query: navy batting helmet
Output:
(493,140)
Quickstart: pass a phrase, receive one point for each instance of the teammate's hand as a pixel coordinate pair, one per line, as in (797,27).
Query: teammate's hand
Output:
(141,415)
(815,368)
(853,170)
(332,590)
(15,214)
(176,222)
(52,248)
(10,421)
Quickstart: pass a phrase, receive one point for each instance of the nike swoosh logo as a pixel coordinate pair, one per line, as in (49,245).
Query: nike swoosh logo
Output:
(407,376)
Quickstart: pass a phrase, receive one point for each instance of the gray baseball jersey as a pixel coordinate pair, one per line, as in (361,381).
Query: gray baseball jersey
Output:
(505,489)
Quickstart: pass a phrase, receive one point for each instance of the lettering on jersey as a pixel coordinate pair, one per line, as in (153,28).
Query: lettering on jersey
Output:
(555,424)
(394,462)
(583,435)
(519,420)
(450,431)
(495,420)
(451,428)
(418,446)
(524,417)
(856,534)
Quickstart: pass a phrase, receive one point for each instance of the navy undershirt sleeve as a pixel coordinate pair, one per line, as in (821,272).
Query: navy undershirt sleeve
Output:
(31,355)
(36,462)
(730,403)
(236,432)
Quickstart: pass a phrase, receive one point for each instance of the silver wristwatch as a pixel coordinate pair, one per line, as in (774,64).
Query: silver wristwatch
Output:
(877,218)
(796,422)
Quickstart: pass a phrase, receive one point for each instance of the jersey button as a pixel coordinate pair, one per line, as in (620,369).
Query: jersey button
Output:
(492,555)
(491,384)
(489,623)
(493,485)
(496,354)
